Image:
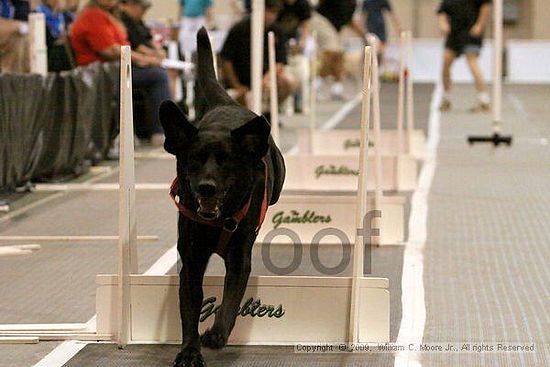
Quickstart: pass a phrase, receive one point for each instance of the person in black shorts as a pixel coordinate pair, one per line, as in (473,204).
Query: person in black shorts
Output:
(237,59)
(463,22)
(294,20)
(373,12)
(339,13)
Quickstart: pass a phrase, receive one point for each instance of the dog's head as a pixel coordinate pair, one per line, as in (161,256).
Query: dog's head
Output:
(217,158)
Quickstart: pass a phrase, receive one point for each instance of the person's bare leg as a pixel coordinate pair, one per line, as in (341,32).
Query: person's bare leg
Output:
(448,58)
(472,59)
(172,79)
(481,87)
(337,89)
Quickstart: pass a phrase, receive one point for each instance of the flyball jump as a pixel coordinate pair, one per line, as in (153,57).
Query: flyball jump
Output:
(496,138)
(309,212)
(135,308)
(404,141)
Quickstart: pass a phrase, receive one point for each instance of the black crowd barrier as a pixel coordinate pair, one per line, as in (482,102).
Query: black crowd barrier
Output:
(53,127)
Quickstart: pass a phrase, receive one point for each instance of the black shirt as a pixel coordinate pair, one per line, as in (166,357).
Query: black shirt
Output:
(138,33)
(21,10)
(338,12)
(462,14)
(293,14)
(237,49)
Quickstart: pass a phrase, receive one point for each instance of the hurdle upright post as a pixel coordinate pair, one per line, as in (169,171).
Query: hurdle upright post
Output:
(190,88)
(410,90)
(378,178)
(361,208)
(274,95)
(257,51)
(313,93)
(37,44)
(401,92)
(173,54)
(127,197)
(497,67)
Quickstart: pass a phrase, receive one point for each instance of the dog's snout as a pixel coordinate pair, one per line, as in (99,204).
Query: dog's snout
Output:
(207,188)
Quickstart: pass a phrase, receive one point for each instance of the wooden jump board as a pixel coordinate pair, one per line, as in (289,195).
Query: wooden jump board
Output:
(339,173)
(274,311)
(346,142)
(308,215)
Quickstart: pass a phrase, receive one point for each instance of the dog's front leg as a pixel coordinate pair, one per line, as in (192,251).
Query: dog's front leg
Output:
(238,266)
(190,295)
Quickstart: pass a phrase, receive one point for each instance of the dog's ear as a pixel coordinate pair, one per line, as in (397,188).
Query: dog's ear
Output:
(253,137)
(177,128)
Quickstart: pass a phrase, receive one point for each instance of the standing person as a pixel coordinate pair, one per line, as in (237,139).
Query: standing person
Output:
(294,20)
(96,36)
(58,20)
(464,22)
(333,15)
(373,12)
(55,20)
(237,59)
(194,14)
(132,12)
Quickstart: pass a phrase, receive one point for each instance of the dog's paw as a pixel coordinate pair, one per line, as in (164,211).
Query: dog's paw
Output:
(213,339)
(189,359)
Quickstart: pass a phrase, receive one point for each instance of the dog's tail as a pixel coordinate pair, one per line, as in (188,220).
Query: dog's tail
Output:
(212,91)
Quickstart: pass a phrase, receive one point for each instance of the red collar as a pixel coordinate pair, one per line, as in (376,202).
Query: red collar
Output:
(228,224)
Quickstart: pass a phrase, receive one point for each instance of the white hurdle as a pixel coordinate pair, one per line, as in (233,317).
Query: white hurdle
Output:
(332,160)
(404,142)
(276,310)
(311,202)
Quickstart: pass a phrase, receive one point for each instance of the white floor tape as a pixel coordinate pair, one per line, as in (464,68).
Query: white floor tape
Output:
(412,284)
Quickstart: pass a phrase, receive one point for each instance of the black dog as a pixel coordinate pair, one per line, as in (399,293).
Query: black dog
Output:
(228,171)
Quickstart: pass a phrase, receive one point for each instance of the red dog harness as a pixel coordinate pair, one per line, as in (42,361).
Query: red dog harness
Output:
(228,225)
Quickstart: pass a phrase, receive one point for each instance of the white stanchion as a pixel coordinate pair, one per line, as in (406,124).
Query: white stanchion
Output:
(274,95)
(378,177)
(127,196)
(313,94)
(497,65)
(361,210)
(401,93)
(410,91)
(173,54)
(190,89)
(37,44)
(257,50)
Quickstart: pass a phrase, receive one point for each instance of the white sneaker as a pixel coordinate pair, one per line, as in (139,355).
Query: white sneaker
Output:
(337,91)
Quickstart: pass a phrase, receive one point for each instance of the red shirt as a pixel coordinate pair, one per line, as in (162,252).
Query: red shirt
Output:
(95,30)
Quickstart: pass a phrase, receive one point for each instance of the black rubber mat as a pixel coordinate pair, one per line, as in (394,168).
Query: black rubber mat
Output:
(108,355)
(35,291)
